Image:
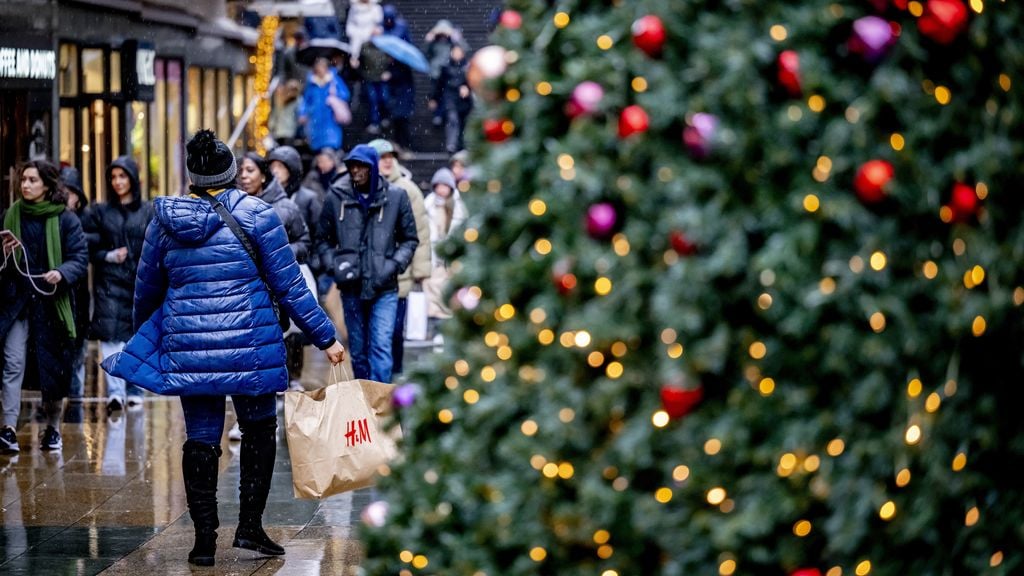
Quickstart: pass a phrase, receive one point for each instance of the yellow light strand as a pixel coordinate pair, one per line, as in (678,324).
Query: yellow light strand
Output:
(261,81)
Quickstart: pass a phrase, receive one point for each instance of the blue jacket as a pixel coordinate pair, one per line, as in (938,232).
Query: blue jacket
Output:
(204,318)
(321,129)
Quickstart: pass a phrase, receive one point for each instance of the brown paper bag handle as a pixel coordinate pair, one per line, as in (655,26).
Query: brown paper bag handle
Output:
(334,374)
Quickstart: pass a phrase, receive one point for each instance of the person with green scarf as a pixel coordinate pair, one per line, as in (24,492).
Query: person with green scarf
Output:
(39,308)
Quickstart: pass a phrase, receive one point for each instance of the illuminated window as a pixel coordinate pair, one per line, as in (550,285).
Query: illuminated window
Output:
(92,70)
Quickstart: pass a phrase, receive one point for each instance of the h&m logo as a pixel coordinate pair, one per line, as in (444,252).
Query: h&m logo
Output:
(357,432)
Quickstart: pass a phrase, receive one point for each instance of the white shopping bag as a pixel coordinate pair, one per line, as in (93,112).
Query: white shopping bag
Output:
(416,316)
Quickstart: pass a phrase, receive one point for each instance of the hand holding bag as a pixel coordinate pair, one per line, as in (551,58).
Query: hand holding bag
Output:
(336,438)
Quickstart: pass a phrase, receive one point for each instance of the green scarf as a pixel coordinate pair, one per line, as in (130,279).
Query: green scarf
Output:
(54,255)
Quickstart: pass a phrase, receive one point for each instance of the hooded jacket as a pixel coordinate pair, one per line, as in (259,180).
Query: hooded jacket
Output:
(419,269)
(309,202)
(365,249)
(437,211)
(109,226)
(205,318)
(291,217)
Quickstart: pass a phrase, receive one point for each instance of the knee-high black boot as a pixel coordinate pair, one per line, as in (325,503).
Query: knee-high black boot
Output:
(259,449)
(199,466)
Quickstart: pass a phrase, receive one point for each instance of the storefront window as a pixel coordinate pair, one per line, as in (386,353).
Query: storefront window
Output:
(67,136)
(99,148)
(115,71)
(92,70)
(68,70)
(138,134)
(86,167)
(223,109)
(210,100)
(195,93)
(115,131)
(174,141)
(158,128)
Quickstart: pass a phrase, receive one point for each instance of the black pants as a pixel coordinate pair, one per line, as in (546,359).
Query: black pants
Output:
(398,338)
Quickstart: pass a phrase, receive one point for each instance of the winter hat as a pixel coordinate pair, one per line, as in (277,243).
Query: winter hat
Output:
(382,147)
(444,176)
(210,163)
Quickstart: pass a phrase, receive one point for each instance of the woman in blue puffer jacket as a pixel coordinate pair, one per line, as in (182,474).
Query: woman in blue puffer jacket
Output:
(207,328)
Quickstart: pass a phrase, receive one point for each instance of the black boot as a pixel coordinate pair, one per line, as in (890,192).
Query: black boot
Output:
(199,467)
(259,449)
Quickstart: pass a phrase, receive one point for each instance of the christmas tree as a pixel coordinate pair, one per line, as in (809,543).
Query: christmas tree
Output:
(740,294)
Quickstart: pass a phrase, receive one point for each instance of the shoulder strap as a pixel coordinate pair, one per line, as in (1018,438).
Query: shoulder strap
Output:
(235,228)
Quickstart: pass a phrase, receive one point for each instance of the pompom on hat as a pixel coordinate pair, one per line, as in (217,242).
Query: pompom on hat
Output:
(210,163)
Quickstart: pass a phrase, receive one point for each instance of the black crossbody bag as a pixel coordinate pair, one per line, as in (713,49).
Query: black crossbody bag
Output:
(236,229)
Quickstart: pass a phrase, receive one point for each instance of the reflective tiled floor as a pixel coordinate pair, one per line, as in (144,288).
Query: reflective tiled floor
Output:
(112,501)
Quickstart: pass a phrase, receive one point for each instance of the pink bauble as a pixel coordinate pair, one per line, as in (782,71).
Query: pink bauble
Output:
(586,97)
(872,37)
(601,220)
(699,136)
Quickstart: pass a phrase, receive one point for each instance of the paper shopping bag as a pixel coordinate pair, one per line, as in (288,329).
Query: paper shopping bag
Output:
(336,439)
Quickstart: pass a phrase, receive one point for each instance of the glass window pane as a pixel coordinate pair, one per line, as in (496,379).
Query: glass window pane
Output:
(115,71)
(223,109)
(68,70)
(115,131)
(67,136)
(99,149)
(86,167)
(158,128)
(195,87)
(237,97)
(138,142)
(92,70)
(210,100)
(174,143)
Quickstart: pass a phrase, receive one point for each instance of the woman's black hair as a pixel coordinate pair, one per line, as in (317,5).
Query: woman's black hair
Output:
(260,163)
(50,175)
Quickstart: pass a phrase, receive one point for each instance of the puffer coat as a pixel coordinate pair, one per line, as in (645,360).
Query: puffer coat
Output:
(110,226)
(205,318)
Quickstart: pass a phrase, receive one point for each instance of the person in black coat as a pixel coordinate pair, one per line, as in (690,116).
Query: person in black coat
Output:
(77,203)
(45,254)
(117,229)
(366,238)
(452,93)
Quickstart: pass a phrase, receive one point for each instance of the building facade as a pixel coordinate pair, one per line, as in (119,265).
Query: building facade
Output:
(82,82)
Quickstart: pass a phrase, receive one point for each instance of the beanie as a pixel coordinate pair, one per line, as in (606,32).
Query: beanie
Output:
(382,147)
(210,163)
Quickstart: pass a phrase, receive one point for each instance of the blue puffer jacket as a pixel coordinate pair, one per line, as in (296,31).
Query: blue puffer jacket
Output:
(205,322)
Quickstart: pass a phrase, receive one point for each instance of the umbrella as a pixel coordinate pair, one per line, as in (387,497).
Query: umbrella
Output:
(402,51)
(317,47)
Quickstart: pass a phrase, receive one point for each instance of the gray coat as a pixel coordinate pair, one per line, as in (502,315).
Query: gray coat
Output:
(291,217)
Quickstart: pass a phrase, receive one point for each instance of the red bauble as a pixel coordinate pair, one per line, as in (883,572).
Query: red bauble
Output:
(679,402)
(649,35)
(943,20)
(806,572)
(872,181)
(511,19)
(681,244)
(562,277)
(633,120)
(789,72)
(963,202)
(498,129)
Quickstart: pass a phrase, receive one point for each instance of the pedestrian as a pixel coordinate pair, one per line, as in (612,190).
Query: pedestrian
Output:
(44,255)
(419,269)
(257,179)
(286,166)
(117,229)
(324,92)
(438,51)
(459,165)
(77,202)
(219,334)
(446,212)
(284,120)
(452,93)
(325,168)
(367,235)
(363,17)
(401,88)
(375,70)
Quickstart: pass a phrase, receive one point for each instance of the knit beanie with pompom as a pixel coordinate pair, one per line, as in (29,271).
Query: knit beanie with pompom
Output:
(210,163)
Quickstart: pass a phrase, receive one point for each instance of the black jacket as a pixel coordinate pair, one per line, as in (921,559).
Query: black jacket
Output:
(446,89)
(366,250)
(109,226)
(48,337)
(291,217)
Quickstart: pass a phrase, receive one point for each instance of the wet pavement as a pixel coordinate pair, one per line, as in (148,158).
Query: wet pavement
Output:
(113,502)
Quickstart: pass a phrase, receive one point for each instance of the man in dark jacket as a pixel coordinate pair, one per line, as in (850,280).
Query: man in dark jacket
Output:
(367,236)
(116,230)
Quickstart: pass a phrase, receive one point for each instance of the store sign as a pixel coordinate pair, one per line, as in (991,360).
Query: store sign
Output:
(27,63)
(139,82)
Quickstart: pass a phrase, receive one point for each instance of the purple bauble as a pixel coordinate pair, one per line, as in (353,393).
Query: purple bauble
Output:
(700,135)
(871,37)
(586,97)
(405,395)
(601,220)
(375,514)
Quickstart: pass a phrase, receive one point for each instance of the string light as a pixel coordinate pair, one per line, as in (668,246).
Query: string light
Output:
(262,77)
